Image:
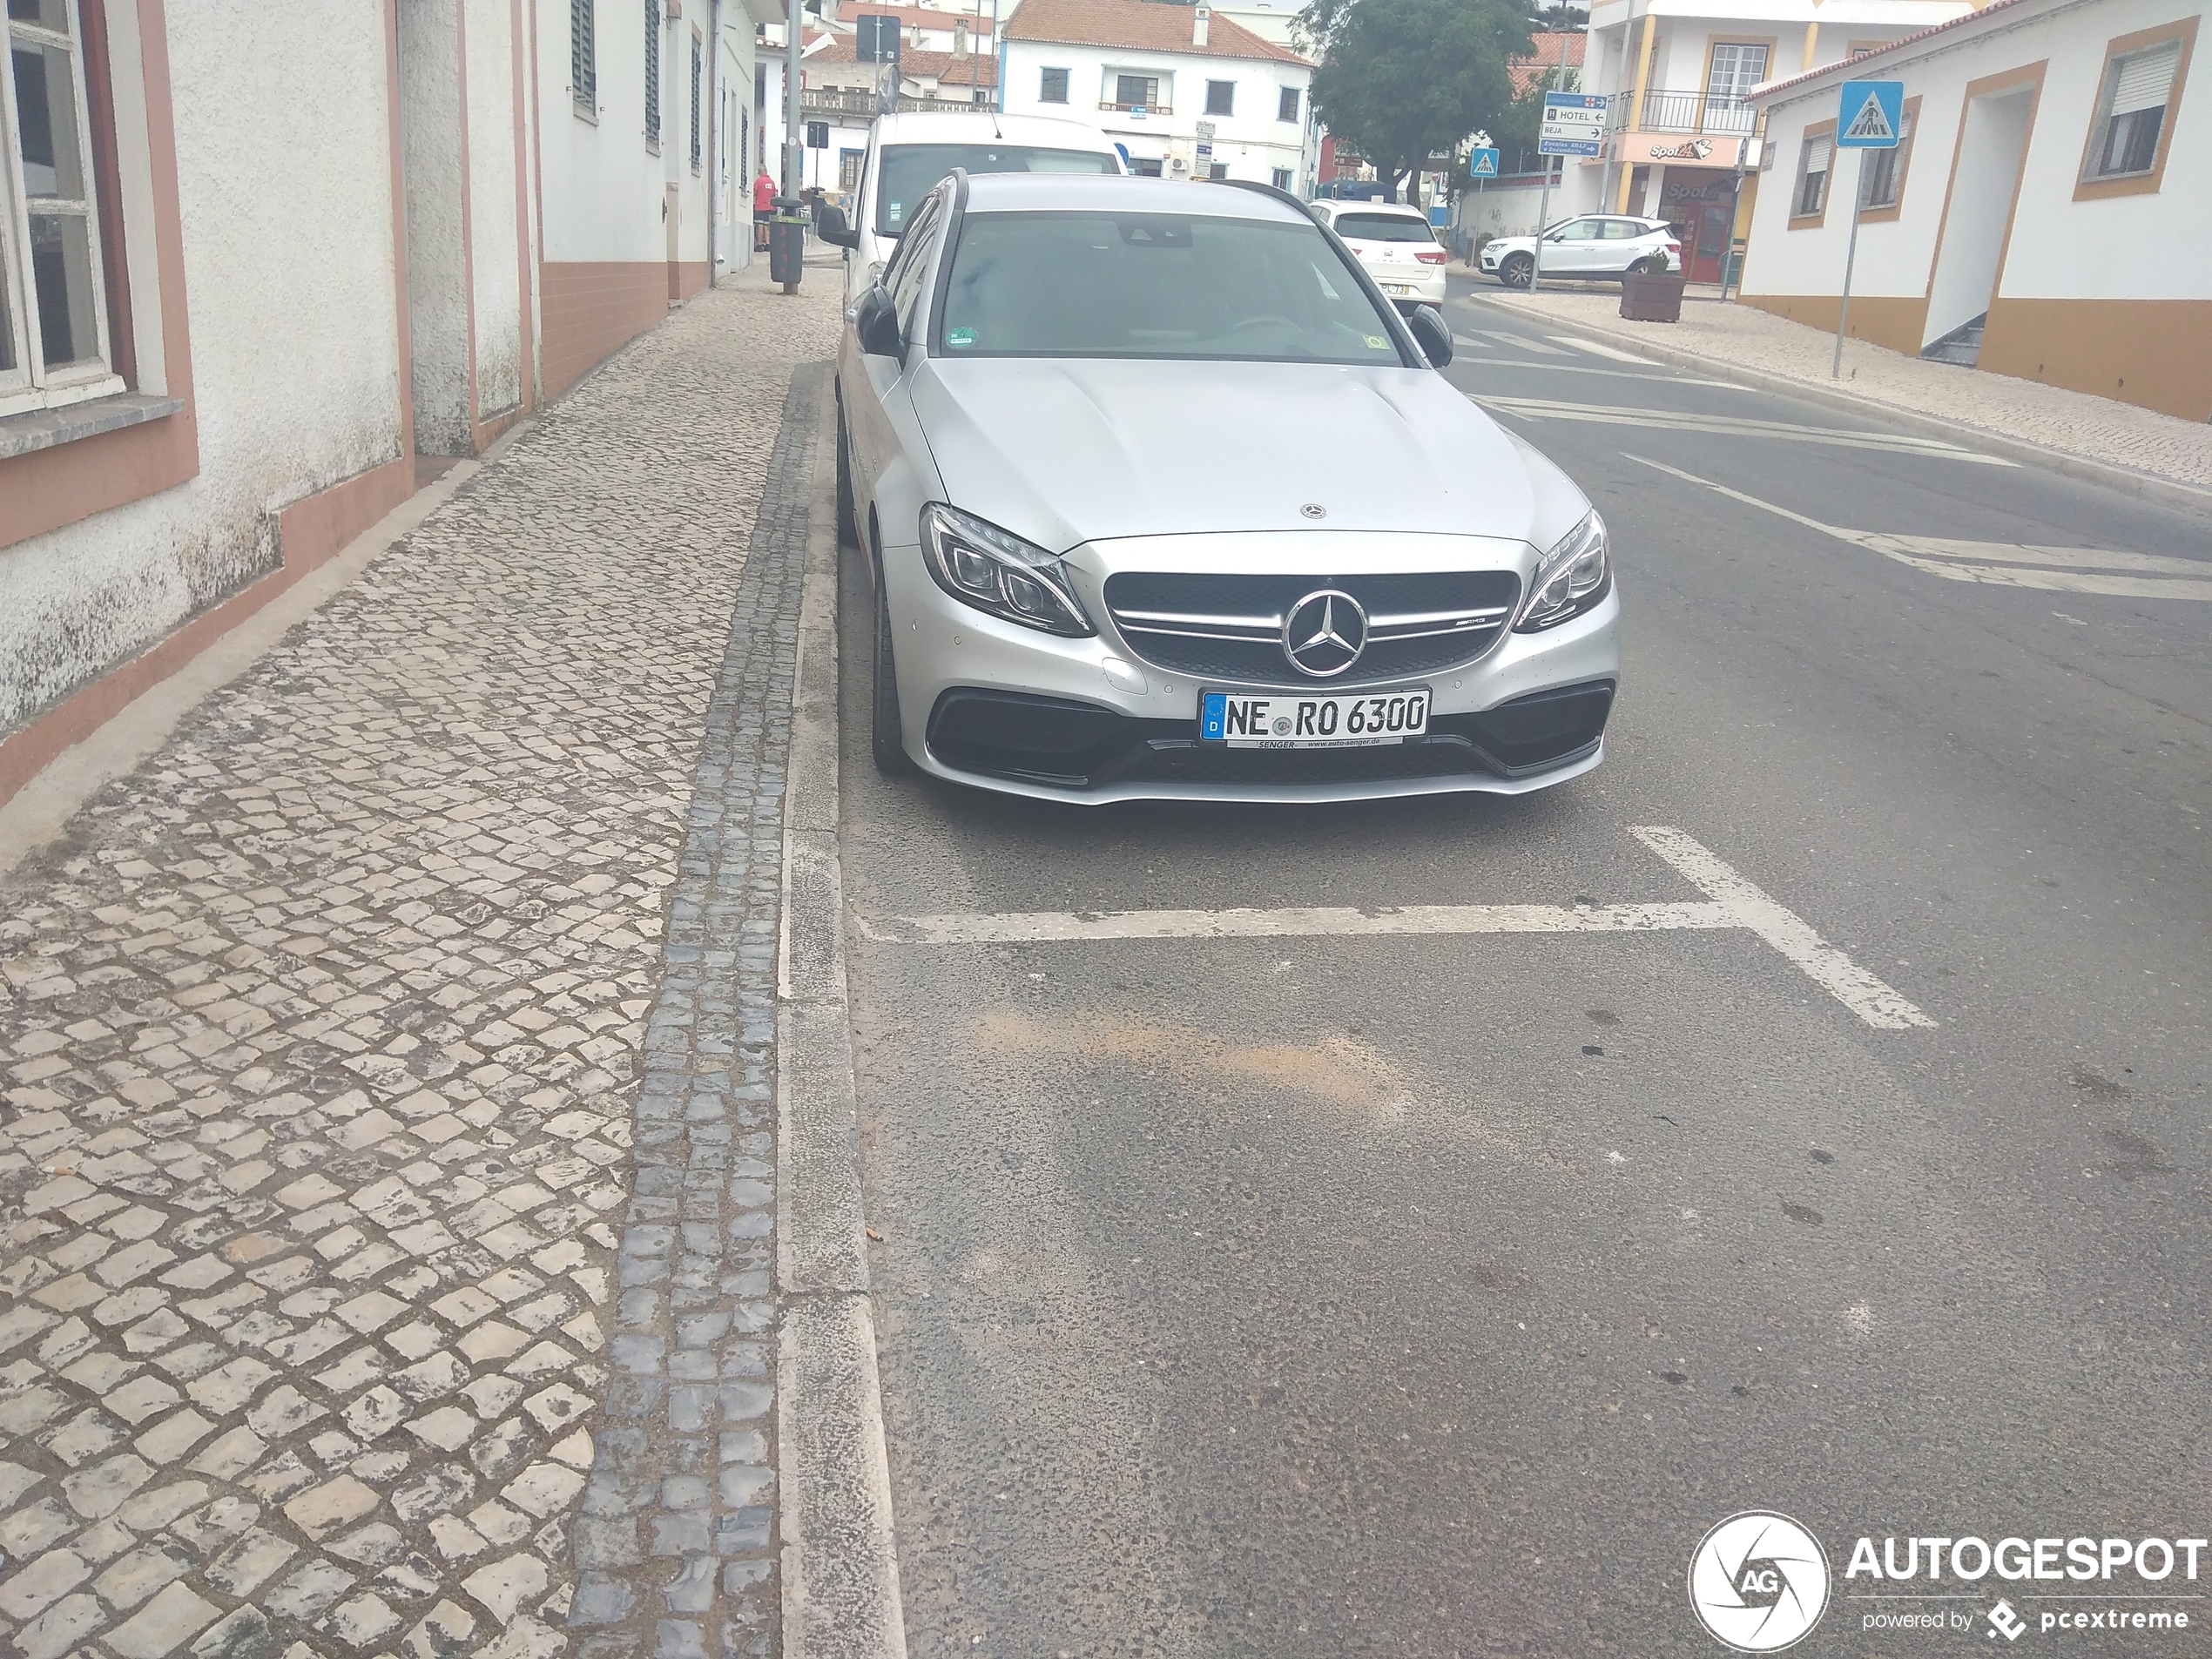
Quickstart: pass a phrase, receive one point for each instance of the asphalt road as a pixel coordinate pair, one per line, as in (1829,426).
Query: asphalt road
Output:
(1422,1296)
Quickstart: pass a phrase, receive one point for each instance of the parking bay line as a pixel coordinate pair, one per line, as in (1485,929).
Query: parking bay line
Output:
(1730,902)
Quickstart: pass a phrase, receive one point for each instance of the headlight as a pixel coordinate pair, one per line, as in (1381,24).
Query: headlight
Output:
(1569,579)
(982,565)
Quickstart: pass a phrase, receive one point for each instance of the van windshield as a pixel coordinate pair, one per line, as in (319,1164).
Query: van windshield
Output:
(910,171)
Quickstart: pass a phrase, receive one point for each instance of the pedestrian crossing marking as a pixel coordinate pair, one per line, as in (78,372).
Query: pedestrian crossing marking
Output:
(1871,122)
(1544,409)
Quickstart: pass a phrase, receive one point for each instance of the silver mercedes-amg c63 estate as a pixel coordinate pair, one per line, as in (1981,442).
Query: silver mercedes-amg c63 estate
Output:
(1163,499)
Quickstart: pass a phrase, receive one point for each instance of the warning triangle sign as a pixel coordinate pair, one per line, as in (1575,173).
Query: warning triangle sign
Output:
(1486,166)
(1870,122)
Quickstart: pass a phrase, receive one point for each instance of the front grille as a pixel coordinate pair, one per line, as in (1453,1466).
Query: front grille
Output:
(1230,627)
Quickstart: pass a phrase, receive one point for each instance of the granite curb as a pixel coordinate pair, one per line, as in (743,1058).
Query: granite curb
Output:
(840,1573)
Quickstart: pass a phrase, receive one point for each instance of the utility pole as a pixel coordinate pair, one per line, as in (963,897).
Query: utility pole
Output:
(794,135)
(1544,201)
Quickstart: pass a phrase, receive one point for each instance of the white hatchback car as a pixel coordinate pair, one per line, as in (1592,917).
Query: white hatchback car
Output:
(1396,243)
(1596,247)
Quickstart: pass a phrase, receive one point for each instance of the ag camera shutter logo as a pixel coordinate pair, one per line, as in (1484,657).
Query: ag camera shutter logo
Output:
(1758,1582)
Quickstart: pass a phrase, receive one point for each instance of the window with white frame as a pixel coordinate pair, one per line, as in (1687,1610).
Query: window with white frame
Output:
(2137,88)
(1882,171)
(584,56)
(1137,91)
(1052,87)
(1814,161)
(54,347)
(1221,98)
(697,149)
(1286,104)
(652,74)
(1281,179)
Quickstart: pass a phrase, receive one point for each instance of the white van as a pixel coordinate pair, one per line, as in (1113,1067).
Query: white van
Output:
(910,152)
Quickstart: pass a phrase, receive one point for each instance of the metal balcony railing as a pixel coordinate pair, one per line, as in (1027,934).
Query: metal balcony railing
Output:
(1665,111)
(1148,109)
(836,100)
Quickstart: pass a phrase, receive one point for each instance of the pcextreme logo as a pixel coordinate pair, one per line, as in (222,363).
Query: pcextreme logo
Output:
(1758,1581)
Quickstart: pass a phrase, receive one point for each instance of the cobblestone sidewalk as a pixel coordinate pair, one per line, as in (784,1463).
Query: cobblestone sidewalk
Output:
(384,1200)
(2073,423)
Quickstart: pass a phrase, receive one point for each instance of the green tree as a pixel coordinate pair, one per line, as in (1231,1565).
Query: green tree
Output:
(1401,80)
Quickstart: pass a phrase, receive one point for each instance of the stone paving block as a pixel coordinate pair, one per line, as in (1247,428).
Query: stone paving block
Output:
(336,1013)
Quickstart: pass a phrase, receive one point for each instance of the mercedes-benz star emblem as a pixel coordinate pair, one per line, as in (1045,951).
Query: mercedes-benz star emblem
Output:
(1314,510)
(1325,633)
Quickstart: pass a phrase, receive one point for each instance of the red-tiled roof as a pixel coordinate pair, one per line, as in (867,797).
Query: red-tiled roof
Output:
(946,67)
(1140,24)
(1543,63)
(1854,66)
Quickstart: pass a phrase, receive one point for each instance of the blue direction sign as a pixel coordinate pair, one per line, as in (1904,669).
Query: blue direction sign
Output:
(1482,163)
(1870,115)
(1574,125)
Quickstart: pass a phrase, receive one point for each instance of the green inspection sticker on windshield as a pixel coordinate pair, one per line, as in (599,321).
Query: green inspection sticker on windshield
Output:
(960,337)
(1376,342)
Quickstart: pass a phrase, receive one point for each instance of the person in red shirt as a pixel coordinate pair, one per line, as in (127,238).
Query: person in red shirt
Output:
(764,203)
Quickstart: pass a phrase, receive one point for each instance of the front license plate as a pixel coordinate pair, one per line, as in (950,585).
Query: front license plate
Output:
(1337,720)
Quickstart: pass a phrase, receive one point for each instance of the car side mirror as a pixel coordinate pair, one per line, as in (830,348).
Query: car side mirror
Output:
(1433,334)
(836,229)
(877,321)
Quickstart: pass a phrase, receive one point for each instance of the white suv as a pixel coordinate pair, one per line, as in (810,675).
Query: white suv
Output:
(1597,246)
(1398,246)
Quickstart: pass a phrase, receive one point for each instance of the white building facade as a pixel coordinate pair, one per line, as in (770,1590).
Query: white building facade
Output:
(285,312)
(2044,218)
(1681,124)
(1186,93)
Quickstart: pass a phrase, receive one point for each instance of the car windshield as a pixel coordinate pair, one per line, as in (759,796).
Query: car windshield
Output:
(910,171)
(1383,227)
(1155,285)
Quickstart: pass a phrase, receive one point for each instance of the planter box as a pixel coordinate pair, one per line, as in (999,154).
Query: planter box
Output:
(1652,298)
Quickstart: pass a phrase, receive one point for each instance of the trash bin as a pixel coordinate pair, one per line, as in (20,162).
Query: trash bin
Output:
(1646,298)
(787,242)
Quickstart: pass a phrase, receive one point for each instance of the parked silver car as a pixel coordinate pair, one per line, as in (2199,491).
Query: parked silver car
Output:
(1163,499)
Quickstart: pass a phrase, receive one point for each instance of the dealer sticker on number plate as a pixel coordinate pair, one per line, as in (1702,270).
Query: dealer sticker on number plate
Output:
(1285,720)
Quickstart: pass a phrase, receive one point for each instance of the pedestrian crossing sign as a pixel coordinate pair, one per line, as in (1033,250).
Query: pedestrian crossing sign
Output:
(1482,163)
(1870,115)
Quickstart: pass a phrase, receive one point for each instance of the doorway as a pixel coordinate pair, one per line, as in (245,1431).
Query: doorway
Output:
(1993,141)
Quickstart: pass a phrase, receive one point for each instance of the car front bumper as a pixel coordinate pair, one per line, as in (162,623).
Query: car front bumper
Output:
(999,706)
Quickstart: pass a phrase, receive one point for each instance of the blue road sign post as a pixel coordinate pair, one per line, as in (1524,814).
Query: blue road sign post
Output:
(1869,117)
(1574,125)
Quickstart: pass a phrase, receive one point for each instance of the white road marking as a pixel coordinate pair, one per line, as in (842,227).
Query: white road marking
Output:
(1730,902)
(1523,342)
(1593,368)
(1828,967)
(1468,342)
(1536,408)
(1614,352)
(1044,926)
(2005,564)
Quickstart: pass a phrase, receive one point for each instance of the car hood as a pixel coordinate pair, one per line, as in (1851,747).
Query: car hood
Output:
(1064,451)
